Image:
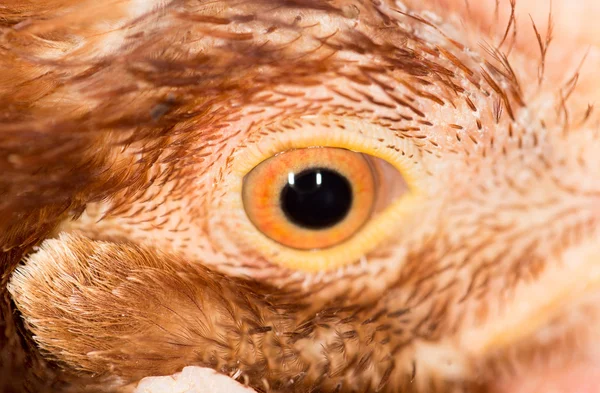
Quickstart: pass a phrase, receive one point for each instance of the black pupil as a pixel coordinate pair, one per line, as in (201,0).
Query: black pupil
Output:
(316,198)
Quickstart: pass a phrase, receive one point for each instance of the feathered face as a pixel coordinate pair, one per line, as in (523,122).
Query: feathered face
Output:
(305,196)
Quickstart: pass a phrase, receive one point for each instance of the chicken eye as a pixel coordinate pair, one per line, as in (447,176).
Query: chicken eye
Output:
(311,198)
(323,193)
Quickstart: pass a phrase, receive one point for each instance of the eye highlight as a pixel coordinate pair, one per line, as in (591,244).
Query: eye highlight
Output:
(311,198)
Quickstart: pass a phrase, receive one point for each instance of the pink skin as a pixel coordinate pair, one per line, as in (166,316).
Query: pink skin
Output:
(576,31)
(584,379)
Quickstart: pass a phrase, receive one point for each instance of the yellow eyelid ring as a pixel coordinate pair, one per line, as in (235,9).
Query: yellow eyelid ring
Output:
(329,132)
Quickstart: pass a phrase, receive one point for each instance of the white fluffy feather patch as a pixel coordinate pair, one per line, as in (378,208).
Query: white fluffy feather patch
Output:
(191,380)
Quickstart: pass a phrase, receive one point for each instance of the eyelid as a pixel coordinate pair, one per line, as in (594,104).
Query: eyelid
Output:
(328,131)
(352,134)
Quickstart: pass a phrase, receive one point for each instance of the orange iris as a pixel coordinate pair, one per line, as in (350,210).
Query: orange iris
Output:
(345,174)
